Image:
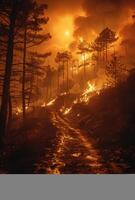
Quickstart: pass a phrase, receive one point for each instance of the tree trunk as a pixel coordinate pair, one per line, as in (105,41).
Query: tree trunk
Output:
(7,77)
(67,78)
(58,82)
(106,52)
(24,76)
(63,76)
(84,73)
(9,113)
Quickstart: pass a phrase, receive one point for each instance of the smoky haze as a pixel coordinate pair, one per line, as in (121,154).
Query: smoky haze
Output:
(87,18)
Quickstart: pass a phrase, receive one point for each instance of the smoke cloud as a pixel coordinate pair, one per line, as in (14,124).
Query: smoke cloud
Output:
(114,14)
(97,15)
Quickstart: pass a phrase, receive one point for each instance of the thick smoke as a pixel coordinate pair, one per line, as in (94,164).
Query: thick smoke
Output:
(115,14)
(128,42)
(98,14)
(63,6)
(103,13)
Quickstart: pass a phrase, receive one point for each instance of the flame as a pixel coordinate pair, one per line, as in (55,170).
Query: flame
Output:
(90,88)
(43,105)
(18,110)
(75,101)
(89,92)
(67,111)
(50,103)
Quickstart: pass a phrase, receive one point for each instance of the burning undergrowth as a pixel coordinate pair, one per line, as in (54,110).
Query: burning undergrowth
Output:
(109,116)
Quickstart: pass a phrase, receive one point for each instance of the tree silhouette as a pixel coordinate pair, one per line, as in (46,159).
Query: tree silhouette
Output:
(114,71)
(103,42)
(63,61)
(21,24)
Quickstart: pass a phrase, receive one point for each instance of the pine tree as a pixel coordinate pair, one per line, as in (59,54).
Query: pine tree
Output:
(114,71)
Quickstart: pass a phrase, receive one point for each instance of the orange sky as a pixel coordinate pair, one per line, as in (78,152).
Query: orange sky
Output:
(84,18)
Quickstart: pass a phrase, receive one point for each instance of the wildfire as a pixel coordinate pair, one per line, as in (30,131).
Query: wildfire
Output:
(19,110)
(89,92)
(86,94)
(43,105)
(90,88)
(65,111)
(51,102)
(75,101)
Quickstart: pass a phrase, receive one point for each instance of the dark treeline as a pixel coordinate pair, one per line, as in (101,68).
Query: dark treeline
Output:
(21,29)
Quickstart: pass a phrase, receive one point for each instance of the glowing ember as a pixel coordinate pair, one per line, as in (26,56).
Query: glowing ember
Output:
(64,93)
(89,92)
(65,111)
(76,155)
(90,88)
(43,105)
(75,101)
(18,110)
(51,102)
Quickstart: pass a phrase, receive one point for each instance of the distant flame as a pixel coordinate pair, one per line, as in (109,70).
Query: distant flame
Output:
(50,103)
(90,88)
(67,111)
(19,110)
(86,94)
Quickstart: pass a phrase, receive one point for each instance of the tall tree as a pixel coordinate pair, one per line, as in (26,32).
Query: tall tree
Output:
(84,49)
(107,37)
(34,22)
(22,21)
(114,71)
(9,10)
(102,43)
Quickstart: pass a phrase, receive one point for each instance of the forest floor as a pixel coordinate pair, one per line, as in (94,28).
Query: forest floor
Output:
(52,144)
(94,138)
(27,144)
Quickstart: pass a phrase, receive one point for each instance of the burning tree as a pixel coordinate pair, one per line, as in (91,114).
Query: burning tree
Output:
(103,42)
(114,71)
